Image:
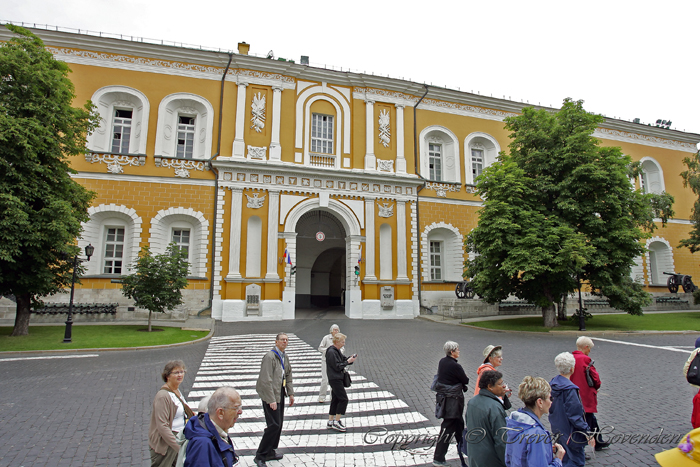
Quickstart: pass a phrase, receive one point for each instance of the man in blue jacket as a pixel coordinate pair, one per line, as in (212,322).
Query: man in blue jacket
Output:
(208,442)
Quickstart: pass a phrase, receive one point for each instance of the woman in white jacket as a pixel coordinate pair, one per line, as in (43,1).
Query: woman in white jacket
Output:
(325,343)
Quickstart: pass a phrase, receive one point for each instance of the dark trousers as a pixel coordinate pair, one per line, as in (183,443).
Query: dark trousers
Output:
(451,428)
(593,426)
(271,436)
(339,398)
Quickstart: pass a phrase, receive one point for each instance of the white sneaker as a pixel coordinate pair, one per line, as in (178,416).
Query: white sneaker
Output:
(337,426)
(329,424)
(321,400)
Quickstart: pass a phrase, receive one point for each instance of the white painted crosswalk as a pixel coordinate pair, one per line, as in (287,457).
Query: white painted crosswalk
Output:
(382,430)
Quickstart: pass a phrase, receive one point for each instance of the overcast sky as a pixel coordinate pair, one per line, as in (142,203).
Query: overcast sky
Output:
(625,59)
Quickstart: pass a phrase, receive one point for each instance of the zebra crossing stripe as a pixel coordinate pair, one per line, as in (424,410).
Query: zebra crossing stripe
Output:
(378,423)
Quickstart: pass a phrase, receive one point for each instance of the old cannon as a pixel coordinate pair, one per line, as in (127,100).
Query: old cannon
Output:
(464,290)
(682,280)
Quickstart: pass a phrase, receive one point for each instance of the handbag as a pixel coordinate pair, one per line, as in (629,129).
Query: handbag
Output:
(589,380)
(347,381)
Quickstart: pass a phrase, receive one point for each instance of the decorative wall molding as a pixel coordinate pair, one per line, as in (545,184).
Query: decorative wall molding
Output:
(384,128)
(257,110)
(470,189)
(254,202)
(385,209)
(115,161)
(385,165)
(605,133)
(182,166)
(257,153)
(441,189)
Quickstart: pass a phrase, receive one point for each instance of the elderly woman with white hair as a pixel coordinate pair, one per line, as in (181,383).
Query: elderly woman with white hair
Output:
(450,386)
(326,342)
(566,415)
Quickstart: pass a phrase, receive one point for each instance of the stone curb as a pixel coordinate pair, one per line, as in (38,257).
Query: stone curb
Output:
(111,349)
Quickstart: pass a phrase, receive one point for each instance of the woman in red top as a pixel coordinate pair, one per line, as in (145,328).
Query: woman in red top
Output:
(589,394)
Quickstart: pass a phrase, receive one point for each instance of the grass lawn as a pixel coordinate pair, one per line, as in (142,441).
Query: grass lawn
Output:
(93,337)
(647,322)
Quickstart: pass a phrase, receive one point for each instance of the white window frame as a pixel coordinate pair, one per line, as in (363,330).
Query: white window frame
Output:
(435,161)
(451,169)
(117,245)
(651,180)
(110,98)
(185,132)
(481,142)
(436,260)
(477,162)
(177,239)
(177,218)
(320,141)
(124,124)
(659,259)
(186,105)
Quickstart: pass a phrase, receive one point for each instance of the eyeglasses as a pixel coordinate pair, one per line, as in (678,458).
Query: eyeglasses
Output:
(178,373)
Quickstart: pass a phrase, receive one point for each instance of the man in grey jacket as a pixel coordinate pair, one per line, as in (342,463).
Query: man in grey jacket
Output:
(274,383)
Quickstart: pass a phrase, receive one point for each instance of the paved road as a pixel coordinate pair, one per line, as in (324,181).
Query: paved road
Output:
(94,411)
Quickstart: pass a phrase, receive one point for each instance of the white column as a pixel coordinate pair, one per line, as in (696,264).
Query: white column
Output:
(370,158)
(400,157)
(273,208)
(234,246)
(275,148)
(369,239)
(238,142)
(401,263)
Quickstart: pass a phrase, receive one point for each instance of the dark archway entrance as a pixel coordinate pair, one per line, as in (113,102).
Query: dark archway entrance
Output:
(321,262)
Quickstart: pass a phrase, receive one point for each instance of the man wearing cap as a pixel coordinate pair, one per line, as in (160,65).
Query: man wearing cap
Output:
(589,394)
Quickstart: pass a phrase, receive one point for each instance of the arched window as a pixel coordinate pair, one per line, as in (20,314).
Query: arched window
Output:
(188,229)
(659,260)
(185,125)
(480,151)
(443,254)
(651,179)
(386,262)
(115,232)
(123,121)
(254,247)
(439,150)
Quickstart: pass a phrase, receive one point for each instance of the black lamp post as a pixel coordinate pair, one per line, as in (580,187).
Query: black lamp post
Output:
(67,338)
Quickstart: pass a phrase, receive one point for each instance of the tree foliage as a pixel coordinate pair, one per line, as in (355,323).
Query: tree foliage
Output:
(560,210)
(157,280)
(691,178)
(41,207)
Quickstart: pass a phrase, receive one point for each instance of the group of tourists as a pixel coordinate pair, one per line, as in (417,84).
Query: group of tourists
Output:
(487,436)
(179,438)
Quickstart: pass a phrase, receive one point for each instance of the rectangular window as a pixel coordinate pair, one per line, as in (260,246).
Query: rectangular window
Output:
(477,162)
(114,250)
(185,137)
(121,133)
(435,261)
(322,134)
(181,238)
(435,161)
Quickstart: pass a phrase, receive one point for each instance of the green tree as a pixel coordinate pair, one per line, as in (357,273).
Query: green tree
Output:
(157,281)
(560,210)
(41,207)
(691,178)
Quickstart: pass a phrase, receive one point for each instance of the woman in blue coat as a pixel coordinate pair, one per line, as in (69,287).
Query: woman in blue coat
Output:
(529,444)
(566,415)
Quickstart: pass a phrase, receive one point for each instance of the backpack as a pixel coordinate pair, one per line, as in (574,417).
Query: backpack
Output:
(693,375)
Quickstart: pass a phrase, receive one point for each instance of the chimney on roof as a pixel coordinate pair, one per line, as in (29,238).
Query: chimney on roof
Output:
(304,60)
(243,48)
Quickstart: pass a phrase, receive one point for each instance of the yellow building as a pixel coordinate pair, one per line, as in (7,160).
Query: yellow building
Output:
(258,166)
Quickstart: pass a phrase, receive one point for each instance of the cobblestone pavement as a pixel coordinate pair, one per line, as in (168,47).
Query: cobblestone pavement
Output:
(94,410)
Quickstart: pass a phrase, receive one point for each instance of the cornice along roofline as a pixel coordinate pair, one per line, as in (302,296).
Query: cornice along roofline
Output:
(196,58)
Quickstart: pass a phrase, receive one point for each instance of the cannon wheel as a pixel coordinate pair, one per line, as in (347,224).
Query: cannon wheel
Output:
(688,286)
(672,284)
(469,291)
(459,290)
